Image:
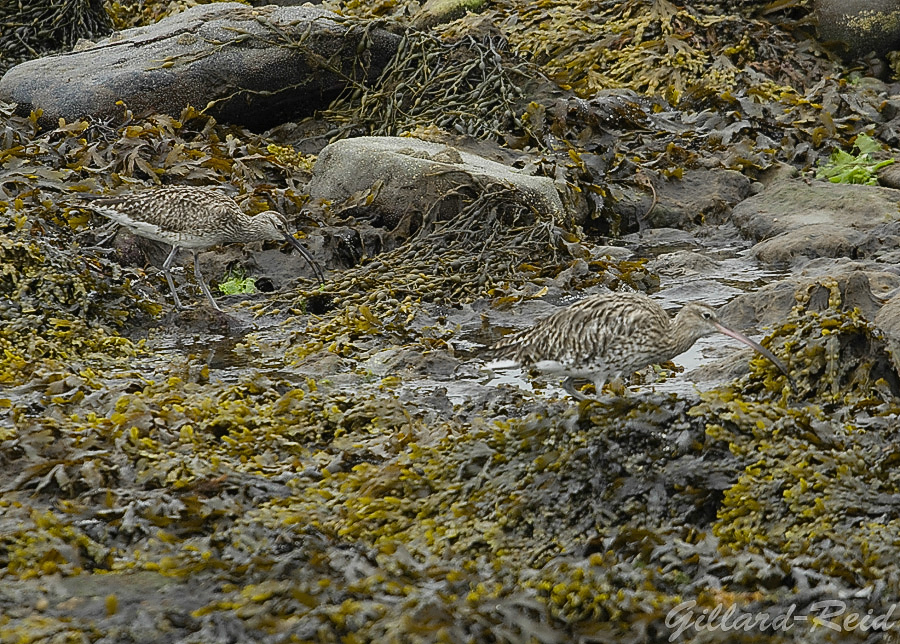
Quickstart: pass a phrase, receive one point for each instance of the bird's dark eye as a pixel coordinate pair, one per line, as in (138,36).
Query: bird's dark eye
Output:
(707,315)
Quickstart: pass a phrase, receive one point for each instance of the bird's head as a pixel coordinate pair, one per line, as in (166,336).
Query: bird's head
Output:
(272,225)
(700,320)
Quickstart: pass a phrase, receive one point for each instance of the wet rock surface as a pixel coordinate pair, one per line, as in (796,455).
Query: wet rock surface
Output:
(337,464)
(863,285)
(698,197)
(794,219)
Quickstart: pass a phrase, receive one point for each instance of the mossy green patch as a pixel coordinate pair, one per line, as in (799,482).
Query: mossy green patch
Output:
(237,282)
(862,167)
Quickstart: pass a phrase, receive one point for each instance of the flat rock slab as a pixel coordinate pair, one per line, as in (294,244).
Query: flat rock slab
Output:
(701,196)
(396,176)
(254,67)
(795,220)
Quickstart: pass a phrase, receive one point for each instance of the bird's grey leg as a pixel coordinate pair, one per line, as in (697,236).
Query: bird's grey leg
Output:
(569,387)
(203,283)
(166,266)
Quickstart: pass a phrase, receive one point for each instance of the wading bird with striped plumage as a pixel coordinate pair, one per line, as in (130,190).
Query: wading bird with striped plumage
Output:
(611,335)
(194,218)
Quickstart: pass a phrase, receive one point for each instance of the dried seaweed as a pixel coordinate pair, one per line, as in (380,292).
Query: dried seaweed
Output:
(125,15)
(36,27)
(466,87)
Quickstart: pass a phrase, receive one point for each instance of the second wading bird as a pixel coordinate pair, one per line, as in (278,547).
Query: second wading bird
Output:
(194,218)
(610,335)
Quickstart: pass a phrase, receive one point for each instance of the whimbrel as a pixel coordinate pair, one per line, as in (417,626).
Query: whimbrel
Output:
(611,335)
(194,218)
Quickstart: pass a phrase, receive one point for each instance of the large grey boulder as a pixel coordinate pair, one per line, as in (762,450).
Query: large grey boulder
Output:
(795,220)
(255,67)
(399,176)
(860,26)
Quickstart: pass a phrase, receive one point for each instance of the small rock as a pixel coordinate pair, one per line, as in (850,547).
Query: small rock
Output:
(699,197)
(888,322)
(658,240)
(436,12)
(889,175)
(682,262)
(615,252)
(815,240)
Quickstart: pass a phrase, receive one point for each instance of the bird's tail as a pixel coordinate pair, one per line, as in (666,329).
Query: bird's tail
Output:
(503,354)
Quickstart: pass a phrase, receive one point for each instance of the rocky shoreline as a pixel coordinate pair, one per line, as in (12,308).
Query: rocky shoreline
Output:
(336,464)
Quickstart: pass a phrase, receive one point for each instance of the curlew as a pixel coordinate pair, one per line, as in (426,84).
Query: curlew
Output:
(611,335)
(194,218)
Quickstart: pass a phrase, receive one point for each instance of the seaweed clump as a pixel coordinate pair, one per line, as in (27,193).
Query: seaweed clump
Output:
(469,87)
(127,14)
(339,514)
(56,308)
(648,47)
(816,466)
(846,365)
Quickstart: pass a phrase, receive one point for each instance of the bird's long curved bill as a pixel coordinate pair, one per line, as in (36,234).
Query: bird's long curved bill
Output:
(758,347)
(299,247)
